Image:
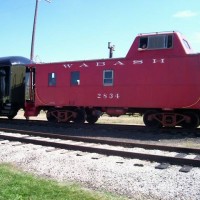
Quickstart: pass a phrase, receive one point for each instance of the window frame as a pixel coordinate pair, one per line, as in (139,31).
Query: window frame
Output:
(186,44)
(109,78)
(74,79)
(52,79)
(166,42)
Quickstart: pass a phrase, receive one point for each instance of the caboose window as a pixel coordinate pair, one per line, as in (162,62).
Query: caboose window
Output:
(75,78)
(186,44)
(156,42)
(52,79)
(169,41)
(108,77)
(143,42)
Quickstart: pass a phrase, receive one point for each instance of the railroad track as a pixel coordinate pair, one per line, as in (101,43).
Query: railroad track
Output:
(64,125)
(164,155)
(133,129)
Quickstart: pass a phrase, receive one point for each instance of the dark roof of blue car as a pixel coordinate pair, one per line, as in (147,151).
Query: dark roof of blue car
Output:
(14,60)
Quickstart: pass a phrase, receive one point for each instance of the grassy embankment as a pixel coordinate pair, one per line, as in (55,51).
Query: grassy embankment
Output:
(16,185)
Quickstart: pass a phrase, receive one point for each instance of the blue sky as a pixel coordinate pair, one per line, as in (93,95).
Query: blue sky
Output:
(81,29)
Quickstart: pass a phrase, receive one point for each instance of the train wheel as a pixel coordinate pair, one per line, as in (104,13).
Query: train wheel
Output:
(50,116)
(91,119)
(58,115)
(193,121)
(80,117)
(11,116)
(150,119)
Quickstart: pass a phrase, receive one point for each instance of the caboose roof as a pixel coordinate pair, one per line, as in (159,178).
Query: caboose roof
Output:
(160,33)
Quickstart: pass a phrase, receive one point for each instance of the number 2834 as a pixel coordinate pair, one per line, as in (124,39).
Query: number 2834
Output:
(108,96)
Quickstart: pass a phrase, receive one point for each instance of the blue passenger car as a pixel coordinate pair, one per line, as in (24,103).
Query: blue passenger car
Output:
(12,84)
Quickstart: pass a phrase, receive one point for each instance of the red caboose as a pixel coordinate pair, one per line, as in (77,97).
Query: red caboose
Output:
(159,78)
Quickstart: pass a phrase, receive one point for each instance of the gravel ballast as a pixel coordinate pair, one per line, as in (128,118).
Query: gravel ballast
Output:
(112,174)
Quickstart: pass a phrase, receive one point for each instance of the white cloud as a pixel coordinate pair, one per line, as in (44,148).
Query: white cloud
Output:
(185,14)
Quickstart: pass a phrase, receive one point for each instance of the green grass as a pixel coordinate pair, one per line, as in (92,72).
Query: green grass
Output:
(16,185)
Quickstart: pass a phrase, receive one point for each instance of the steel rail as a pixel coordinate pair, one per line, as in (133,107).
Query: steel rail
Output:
(125,154)
(108,142)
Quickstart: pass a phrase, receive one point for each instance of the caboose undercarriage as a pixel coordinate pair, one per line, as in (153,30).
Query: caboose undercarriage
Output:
(152,118)
(77,115)
(185,119)
(65,114)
